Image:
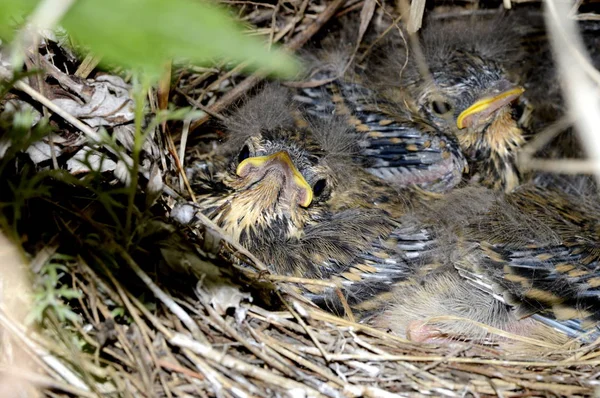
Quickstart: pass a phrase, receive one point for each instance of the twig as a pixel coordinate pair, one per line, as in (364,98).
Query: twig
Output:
(50,360)
(207,222)
(306,327)
(45,382)
(163,297)
(235,335)
(84,128)
(178,164)
(87,66)
(415,17)
(323,371)
(211,354)
(480,361)
(182,145)
(295,279)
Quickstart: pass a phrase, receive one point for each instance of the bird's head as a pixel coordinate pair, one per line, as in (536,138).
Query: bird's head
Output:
(280,181)
(467,94)
(281,177)
(293,196)
(473,99)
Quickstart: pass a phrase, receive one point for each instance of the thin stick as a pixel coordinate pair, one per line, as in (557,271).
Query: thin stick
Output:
(45,382)
(84,128)
(306,328)
(481,361)
(179,166)
(415,17)
(235,335)
(163,297)
(51,361)
(295,279)
(230,362)
(236,245)
(87,66)
(182,145)
(320,370)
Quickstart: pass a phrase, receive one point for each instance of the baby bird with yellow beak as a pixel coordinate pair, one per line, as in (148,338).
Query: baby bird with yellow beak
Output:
(396,144)
(295,198)
(515,259)
(461,85)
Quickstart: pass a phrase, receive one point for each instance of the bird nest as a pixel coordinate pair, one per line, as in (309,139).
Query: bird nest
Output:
(144,308)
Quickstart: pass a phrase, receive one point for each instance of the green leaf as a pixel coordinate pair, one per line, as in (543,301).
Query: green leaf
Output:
(12,13)
(146,33)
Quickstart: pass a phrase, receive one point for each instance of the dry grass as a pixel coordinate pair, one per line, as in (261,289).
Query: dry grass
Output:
(258,352)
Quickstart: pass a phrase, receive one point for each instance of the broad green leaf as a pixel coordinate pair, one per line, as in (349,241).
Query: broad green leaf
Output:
(145,33)
(12,14)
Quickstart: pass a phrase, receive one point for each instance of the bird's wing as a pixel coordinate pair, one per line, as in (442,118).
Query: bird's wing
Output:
(540,252)
(367,279)
(559,284)
(394,144)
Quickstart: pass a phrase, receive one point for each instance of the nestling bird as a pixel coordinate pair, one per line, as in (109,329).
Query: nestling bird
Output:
(430,121)
(491,81)
(533,254)
(393,143)
(462,85)
(295,198)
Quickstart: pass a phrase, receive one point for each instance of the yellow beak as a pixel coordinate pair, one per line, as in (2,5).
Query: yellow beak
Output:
(486,106)
(283,160)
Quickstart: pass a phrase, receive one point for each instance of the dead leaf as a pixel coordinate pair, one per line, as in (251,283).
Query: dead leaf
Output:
(109,102)
(88,159)
(40,151)
(223,297)
(122,172)
(124,135)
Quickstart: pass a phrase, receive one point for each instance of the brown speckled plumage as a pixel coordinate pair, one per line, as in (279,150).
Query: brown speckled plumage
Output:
(466,61)
(347,234)
(535,251)
(394,143)
(408,116)
(529,253)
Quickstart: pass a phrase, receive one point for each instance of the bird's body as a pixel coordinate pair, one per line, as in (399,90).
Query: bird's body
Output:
(457,76)
(451,113)
(296,199)
(531,253)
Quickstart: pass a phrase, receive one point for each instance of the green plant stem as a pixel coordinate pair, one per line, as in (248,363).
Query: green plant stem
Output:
(139,96)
